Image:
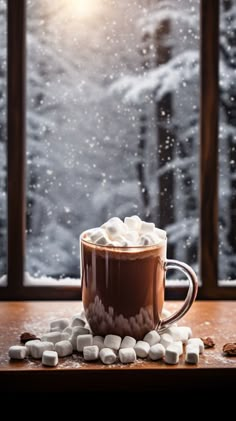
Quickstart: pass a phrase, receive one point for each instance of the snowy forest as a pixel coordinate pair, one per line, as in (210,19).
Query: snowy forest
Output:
(113,126)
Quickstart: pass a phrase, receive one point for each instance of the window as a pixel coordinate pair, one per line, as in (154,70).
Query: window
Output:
(112,123)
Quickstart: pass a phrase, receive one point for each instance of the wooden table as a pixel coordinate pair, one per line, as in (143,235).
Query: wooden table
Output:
(215,319)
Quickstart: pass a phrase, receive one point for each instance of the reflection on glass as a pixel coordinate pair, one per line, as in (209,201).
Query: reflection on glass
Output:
(227,142)
(112,123)
(3,214)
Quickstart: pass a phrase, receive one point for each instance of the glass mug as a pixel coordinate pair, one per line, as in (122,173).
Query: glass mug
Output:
(123,288)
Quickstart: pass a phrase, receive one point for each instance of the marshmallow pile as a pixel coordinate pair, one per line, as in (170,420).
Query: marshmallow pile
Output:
(130,233)
(64,338)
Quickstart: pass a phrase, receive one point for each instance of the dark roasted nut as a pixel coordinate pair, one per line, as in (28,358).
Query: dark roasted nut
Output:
(27,336)
(230,349)
(208,342)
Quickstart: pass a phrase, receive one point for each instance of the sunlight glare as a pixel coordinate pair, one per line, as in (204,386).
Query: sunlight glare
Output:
(84,8)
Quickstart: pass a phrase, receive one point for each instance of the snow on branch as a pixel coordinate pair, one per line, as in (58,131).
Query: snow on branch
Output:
(160,81)
(150,23)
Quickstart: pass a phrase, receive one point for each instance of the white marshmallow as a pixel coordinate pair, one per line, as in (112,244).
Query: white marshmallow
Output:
(17,352)
(157,352)
(114,227)
(59,324)
(96,233)
(146,227)
(133,222)
(78,321)
(63,348)
(37,349)
(107,356)
(165,313)
(91,352)
(98,341)
(179,333)
(128,342)
(112,341)
(197,342)
(120,241)
(179,346)
(84,340)
(160,233)
(142,349)
(68,330)
(172,354)
(50,358)
(166,340)
(147,240)
(152,337)
(102,241)
(127,355)
(79,330)
(192,354)
(53,337)
(28,345)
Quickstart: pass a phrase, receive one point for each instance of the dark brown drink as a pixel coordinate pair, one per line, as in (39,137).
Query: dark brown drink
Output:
(123,288)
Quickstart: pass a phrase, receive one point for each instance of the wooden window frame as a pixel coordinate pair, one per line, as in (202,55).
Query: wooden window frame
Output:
(16,113)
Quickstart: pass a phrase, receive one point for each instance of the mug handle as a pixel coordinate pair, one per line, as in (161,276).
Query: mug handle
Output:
(191,295)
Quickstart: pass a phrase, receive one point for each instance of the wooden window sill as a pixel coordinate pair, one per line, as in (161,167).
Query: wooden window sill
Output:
(214,318)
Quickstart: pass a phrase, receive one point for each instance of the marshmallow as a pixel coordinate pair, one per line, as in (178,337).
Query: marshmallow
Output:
(68,330)
(146,227)
(53,337)
(128,342)
(179,333)
(166,340)
(102,241)
(84,340)
(96,233)
(28,345)
(17,352)
(197,342)
(107,356)
(157,352)
(50,358)
(112,341)
(133,222)
(127,355)
(130,233)
(152,337)
(37,349)
(63,348)
(192,354)
(142,349)
(148,240)
(91,352)
(172,354)
(59,325)
(98,341)
(165,313)
(179,346)
(160,233)
(77,331)
(78,321)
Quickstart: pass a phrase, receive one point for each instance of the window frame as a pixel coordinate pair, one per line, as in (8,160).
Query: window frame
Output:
(16,163)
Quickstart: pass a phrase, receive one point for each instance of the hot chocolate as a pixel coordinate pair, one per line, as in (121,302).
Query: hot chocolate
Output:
(123,266)
(123,288)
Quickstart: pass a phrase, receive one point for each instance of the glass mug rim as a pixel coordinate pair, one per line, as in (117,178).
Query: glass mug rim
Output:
(125,248)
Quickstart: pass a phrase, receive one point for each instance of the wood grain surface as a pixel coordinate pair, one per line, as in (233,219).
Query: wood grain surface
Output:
(215,319)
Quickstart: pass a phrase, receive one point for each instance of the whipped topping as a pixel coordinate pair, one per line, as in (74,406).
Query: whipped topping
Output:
(130,233)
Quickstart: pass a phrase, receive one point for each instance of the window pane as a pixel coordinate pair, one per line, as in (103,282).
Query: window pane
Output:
(112,123)
(3,213)
(227,142)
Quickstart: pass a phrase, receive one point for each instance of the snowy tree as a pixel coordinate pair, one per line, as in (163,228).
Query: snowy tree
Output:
(179,76)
